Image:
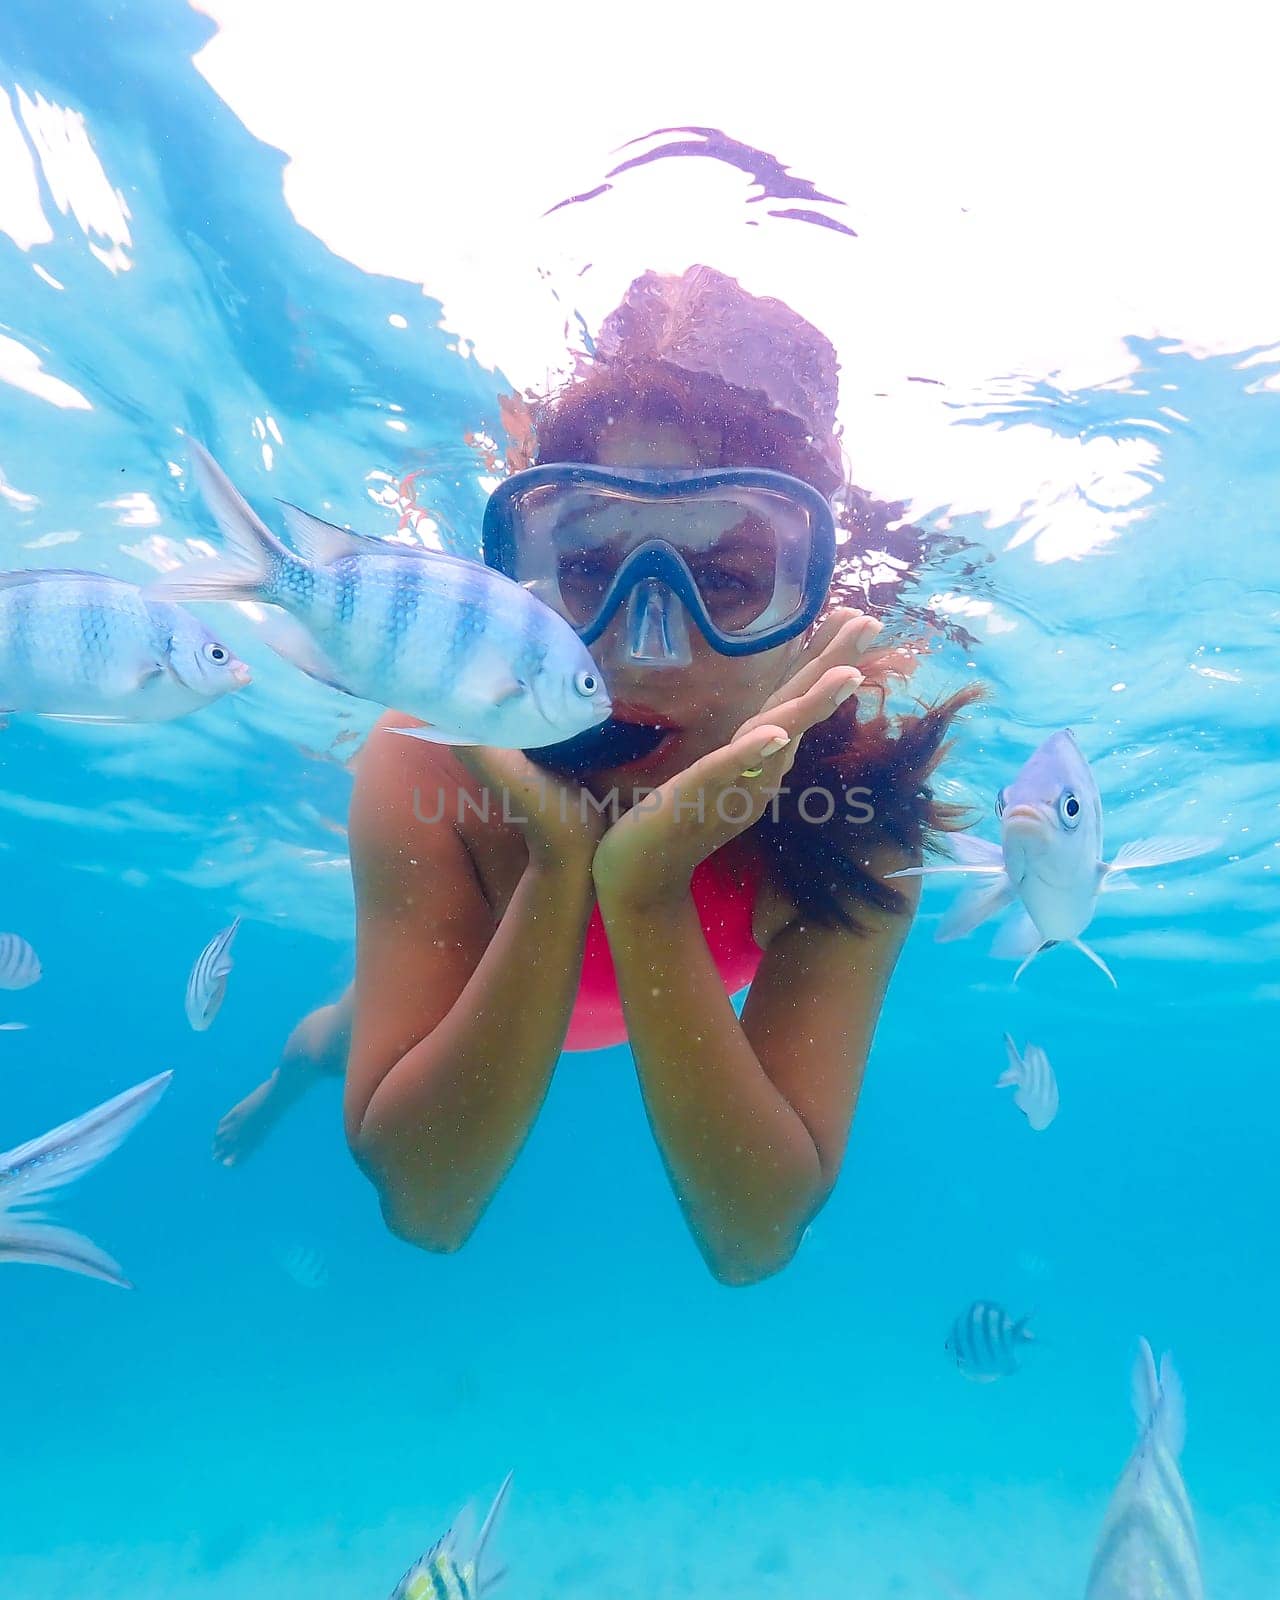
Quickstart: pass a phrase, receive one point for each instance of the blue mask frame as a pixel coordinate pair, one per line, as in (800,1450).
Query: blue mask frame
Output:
(658,559)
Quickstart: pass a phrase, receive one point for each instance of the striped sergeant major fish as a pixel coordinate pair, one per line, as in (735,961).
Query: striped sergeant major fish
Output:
(453,1569)
(80,647)
(19,964)
(207,984)
(1049,859)
(450,641)
(1148,1548)
(985,1342)
(1035,1089)
(30,1174)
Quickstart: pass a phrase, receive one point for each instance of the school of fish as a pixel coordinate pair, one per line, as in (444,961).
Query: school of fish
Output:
(480,660)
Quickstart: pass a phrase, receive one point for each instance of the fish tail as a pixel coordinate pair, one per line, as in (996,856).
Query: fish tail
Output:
(41,1244)
(254,562)
(1158,1401)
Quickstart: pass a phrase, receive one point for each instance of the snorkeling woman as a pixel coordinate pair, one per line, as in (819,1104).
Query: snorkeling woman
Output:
(732,824)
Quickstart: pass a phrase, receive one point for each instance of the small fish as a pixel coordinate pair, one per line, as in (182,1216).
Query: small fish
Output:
(29,1174)
(1035,1089)
(1148,1549)
(207,984)
(306,1267)
(453,1568)
(985,1340)
(19,964)
(1049,858)
(450,641)
(78,647)
(13,1027)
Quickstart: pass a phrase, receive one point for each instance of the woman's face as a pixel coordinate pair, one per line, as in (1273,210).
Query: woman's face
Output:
(702,704)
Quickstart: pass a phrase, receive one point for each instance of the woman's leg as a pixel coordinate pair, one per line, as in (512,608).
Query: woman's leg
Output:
(317,1048)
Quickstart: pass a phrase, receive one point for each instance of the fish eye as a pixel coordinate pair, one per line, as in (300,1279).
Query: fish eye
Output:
(217,653)
(586,682)
(1069,809)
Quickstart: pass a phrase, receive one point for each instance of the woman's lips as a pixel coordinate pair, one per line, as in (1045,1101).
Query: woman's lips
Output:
(632,711)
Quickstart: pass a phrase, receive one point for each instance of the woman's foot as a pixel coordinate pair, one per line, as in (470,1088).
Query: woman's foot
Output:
(246,1125)
(317,1048)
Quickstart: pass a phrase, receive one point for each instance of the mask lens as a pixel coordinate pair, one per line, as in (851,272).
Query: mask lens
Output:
(746,548)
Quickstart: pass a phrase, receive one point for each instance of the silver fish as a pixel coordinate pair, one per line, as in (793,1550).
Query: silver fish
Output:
(1148,1549)
(307,1267)
(29,1174)
(464,648)
(1049,858)
(1035,1089)
(453,1569)
(78,647)
(207,984)
(985,1341)
(19,964)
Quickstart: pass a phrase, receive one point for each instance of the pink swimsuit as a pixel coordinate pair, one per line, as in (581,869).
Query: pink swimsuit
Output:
(725,897)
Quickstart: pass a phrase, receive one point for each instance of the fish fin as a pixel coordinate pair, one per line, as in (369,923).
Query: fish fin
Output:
(42,1244)
(975,907)
(293,642)
(88,721)
(1013,1072)
(1022,1331)
(14,580)
(253,557)
(491,1581)
(975,851)
(1159,852)
(1017,938)
(1171,1418)
(63,1154)
(970,853)
(1145,1386)
(509,688)
(487,1529)
(1097,961)
(1039,950)
(319,542)
(1111,881)
(942,867)
(435,735)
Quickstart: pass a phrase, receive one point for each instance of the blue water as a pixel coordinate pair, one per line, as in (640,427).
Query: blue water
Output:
(233,1428)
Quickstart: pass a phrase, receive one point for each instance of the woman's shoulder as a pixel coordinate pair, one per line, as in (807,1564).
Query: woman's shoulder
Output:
(398,780)
(415,801)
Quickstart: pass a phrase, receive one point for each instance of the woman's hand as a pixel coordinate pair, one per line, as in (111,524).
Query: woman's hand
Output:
(649,854)
(560,822)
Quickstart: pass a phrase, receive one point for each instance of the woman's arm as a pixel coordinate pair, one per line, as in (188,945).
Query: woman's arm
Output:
(458,1021)
(752,1118)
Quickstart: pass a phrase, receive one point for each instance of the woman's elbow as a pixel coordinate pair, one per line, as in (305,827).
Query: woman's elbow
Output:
(739,1260)
(416,1218)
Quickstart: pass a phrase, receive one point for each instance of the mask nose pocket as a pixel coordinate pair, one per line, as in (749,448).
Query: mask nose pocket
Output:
(657,631)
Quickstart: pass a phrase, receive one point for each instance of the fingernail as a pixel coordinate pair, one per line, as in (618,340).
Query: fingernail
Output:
(779,742)
(849,688)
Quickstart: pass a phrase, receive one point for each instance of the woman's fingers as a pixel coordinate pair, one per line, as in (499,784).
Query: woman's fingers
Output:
(798,712)
(841,639)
